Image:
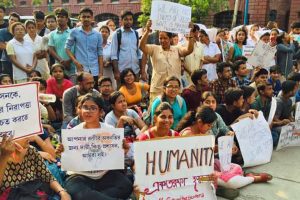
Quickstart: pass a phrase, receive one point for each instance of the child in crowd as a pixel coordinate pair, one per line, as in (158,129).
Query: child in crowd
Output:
(5,79)
(241,73)
(224,81)
(274,79)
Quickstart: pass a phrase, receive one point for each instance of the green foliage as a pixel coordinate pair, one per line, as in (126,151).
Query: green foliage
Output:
(200,8)
(7,3)
(36,2)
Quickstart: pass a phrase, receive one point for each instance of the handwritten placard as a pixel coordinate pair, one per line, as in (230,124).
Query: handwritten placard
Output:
(247,50)
(225,145)
(170,17)
(92,149)
(255,140)
(162,165)
(289,136)
(49,98)
(262,55)
(19,110)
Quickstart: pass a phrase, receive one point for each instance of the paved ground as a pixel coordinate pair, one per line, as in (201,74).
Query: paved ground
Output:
(285,169)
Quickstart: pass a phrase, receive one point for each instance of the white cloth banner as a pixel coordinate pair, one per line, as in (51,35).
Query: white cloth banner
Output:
(255,140)
(272,110)
(19,110)
(289,136)
(92,149)
(166,164)
(225,145)
(262,55)
(170,17)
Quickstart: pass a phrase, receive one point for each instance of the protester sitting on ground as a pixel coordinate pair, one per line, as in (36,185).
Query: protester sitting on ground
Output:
(224,81)
(122,117)
(166,59)
(100,184)
(163,120)
(295,76)
(285,51)
(22,167)
(85,84)
(283,114)
(5,79)
(37,42)
(33,74)
(249,97)
(105,87)
(22,56)
(240,41)
(219,128)
(192,94)
(134,92)
(241,73)
(171,95)
(274,79)
(260,76)
(78,119)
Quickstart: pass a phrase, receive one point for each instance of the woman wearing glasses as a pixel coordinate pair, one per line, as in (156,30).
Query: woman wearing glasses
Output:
(171,89)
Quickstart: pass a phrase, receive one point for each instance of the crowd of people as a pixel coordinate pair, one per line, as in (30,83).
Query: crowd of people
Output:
(153,85)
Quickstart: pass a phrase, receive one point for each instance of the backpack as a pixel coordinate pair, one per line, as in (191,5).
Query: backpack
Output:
(119,37)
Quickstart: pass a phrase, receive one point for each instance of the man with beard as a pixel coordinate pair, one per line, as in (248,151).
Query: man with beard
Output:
(85,85)
(124,48)
(224,81)
(241,73)
(59,37)
(87,43)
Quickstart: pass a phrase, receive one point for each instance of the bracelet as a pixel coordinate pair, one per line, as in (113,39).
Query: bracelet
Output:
(62,190)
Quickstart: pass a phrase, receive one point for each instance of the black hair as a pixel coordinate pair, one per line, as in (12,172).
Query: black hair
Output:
(247,91)
(61,11)
(196,28)
(262,71)
(275,68)
(2,8)
(280,37)
(56,65)
(197,75)
(170,35)
(161,107)
(81,75)
(95,98)
(37,73)
(202,31)
(236,65)
(124,73)
(207,94)
(86,10)
(232,94)
(38,15)
(167,80)
(2,76)
(295,25)
(222,65)
(174,35)
(50,16)
(14,14)
(104,79)
(262,86)
(275,29)
(204,113)
(265,34)
(240,58)
(294,76)
(114,96)
(246,35)
(40,80)
(288,86)
(105,27)
(126,13)
(28,22)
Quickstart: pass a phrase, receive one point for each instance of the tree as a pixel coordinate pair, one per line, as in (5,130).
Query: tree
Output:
(36,2)
(200,8)
(7,3)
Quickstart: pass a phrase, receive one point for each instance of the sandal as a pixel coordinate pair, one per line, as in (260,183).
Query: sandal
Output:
(263,177)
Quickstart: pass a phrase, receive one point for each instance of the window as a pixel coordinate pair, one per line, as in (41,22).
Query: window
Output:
(64,1)
(97,1)
(114,1)
(22,3)
(80,1)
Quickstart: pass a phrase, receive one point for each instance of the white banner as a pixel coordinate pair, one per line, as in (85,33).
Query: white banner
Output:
(289,136)
(255,140)
(225,145)
(92,149)
(262,55)
(170,17)
(19,110)
(247,50)
(166,164)
(272,110)
(297,112)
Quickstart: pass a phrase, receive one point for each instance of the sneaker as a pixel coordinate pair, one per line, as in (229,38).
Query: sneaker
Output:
(227,193)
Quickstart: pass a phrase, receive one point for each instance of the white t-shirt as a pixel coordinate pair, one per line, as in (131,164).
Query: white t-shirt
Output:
(211,50)
(91,174)
(24,54)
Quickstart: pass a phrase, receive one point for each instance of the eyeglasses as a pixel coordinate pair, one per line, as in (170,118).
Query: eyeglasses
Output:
(89,108)
(174,87)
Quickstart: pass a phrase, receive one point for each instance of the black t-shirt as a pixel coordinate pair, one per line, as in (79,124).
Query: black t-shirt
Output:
(228,117)
(4,25)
